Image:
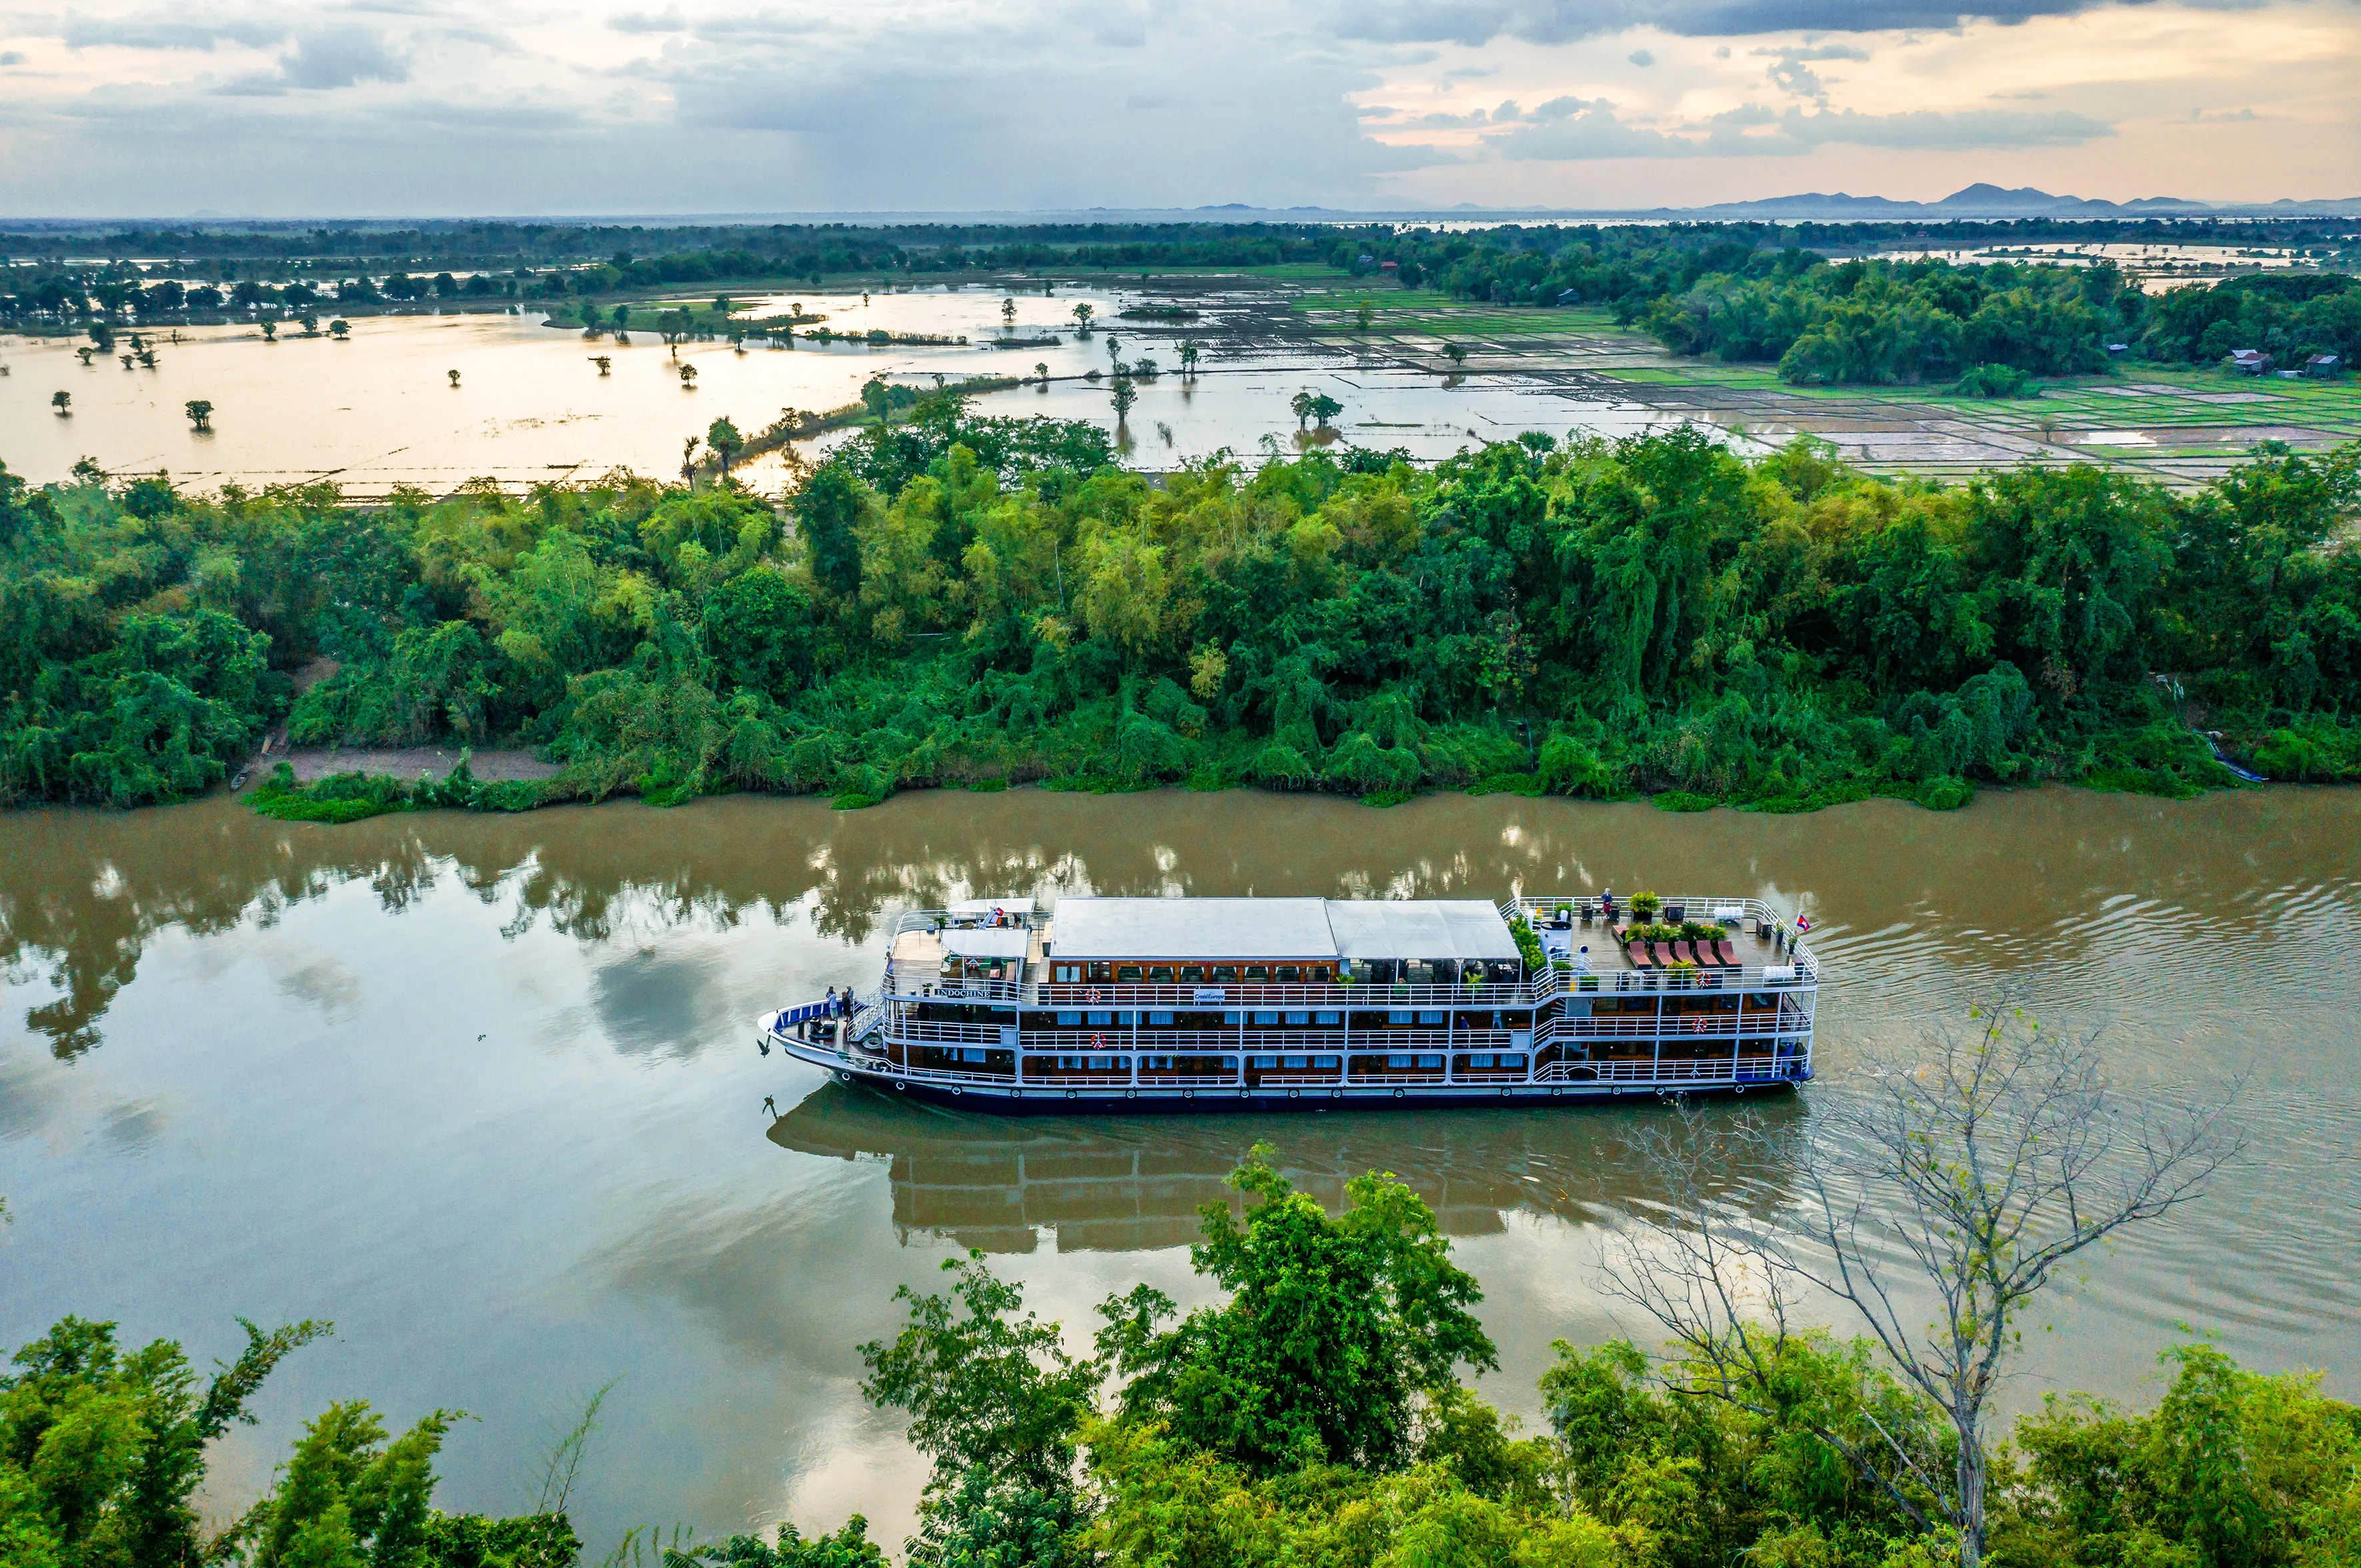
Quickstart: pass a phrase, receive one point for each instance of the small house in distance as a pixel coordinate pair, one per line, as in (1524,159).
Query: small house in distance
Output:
(2117,350)
(2323,366)
(2249,361)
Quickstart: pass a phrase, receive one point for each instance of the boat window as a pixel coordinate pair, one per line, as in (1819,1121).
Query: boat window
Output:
(1258,971)
(1224,971)
(1103,1064)
(1066,974)
(971,1053)
(1127,972)
(1157,1063)
(1070,1020)
(1193,972)
(1430,1061)
(1100,1020)
(1398,1060)
(1161,974)
(1328,1020)
(1266,1018)
(1162,1019)
(1481,1059)
(1400,1015)
(1233,1019)
(1297,1020)
(1290,972)
(1324,1064)
(1262,1064)
(1292,1064)
(1515,1063)
(1433,1020)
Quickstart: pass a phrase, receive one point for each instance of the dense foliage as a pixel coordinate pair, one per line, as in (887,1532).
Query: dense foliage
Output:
(1643,1463)
(1310,1413)
(102,1449)
(958,601)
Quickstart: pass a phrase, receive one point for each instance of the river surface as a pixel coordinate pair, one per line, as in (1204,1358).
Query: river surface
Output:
(483,1091)
(380,409)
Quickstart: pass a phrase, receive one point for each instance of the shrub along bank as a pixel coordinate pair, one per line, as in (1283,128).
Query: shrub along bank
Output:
(955,600)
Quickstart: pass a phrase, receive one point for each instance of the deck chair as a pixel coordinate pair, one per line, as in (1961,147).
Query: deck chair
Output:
(1726,955)
(1638,953)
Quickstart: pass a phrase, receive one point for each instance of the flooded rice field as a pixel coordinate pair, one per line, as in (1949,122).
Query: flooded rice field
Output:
(530,404)
(483,1091)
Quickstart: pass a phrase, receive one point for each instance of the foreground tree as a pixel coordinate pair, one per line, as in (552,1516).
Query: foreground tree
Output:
(200,413)
(1337,1333)
(1963,1178)
(102,1449)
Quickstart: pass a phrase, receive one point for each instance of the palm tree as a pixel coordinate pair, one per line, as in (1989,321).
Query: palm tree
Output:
(200,413)
(602,361)
(688,459)
(724,441)
(1302,405)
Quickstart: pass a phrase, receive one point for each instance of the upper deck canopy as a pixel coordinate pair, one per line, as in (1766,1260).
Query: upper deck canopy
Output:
(1463,928)
(1229,930)
(1218,930)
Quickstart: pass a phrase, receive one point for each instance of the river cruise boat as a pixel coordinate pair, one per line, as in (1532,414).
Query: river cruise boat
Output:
(1224,1004)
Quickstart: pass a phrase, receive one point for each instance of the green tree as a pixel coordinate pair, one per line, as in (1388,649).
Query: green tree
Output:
(1335,1332)
(990,1393)
(340,329)
(1124,396)
(62,403)
(724,441)
(1082,314)
(200,413)
(1325,407)
(1300,406)
(758,629)
(102,1449)
(828,509)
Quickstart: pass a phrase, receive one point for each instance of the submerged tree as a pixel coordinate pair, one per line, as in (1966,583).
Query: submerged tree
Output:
(724,441)
(604,362)
(200,413)
(1082,314)
(62,403)
(340,329)
(1123,395)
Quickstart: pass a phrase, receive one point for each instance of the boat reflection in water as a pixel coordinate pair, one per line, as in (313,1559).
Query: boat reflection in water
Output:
(997,1183)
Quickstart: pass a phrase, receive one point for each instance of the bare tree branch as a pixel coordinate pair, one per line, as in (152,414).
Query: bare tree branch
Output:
(1969,1175)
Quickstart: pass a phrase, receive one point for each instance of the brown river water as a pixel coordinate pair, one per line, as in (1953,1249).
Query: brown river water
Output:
(484,1091)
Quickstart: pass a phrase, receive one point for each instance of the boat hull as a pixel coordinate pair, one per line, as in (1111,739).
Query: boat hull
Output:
(1037,1100)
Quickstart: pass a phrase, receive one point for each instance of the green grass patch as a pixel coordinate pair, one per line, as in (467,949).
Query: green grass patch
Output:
(854,800)
(1384,797)
(1682,800)
(1527,784)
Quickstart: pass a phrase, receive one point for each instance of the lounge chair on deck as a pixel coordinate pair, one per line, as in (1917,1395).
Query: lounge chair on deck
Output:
(1664,958)
(1726,955)
(1638,953)
(1681,954)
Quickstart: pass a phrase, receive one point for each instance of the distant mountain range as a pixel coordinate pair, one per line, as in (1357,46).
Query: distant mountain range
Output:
(1986,201)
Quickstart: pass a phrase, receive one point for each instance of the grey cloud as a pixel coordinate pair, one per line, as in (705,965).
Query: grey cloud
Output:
(1592,131)
(1475,22)
(1816,51)
(669,21)
(166,33)
(1470,72)
(342,57)
(12,56)
(1642,57)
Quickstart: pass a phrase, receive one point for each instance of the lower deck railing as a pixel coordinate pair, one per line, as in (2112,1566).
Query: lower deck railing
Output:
(1758,1061)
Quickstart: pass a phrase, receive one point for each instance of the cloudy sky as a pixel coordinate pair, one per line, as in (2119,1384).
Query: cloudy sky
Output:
(267,108)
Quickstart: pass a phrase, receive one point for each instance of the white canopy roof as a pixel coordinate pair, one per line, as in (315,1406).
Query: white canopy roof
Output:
(986,905)
(987,941)
(1464,929)
(1228,930)
(1218,930)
